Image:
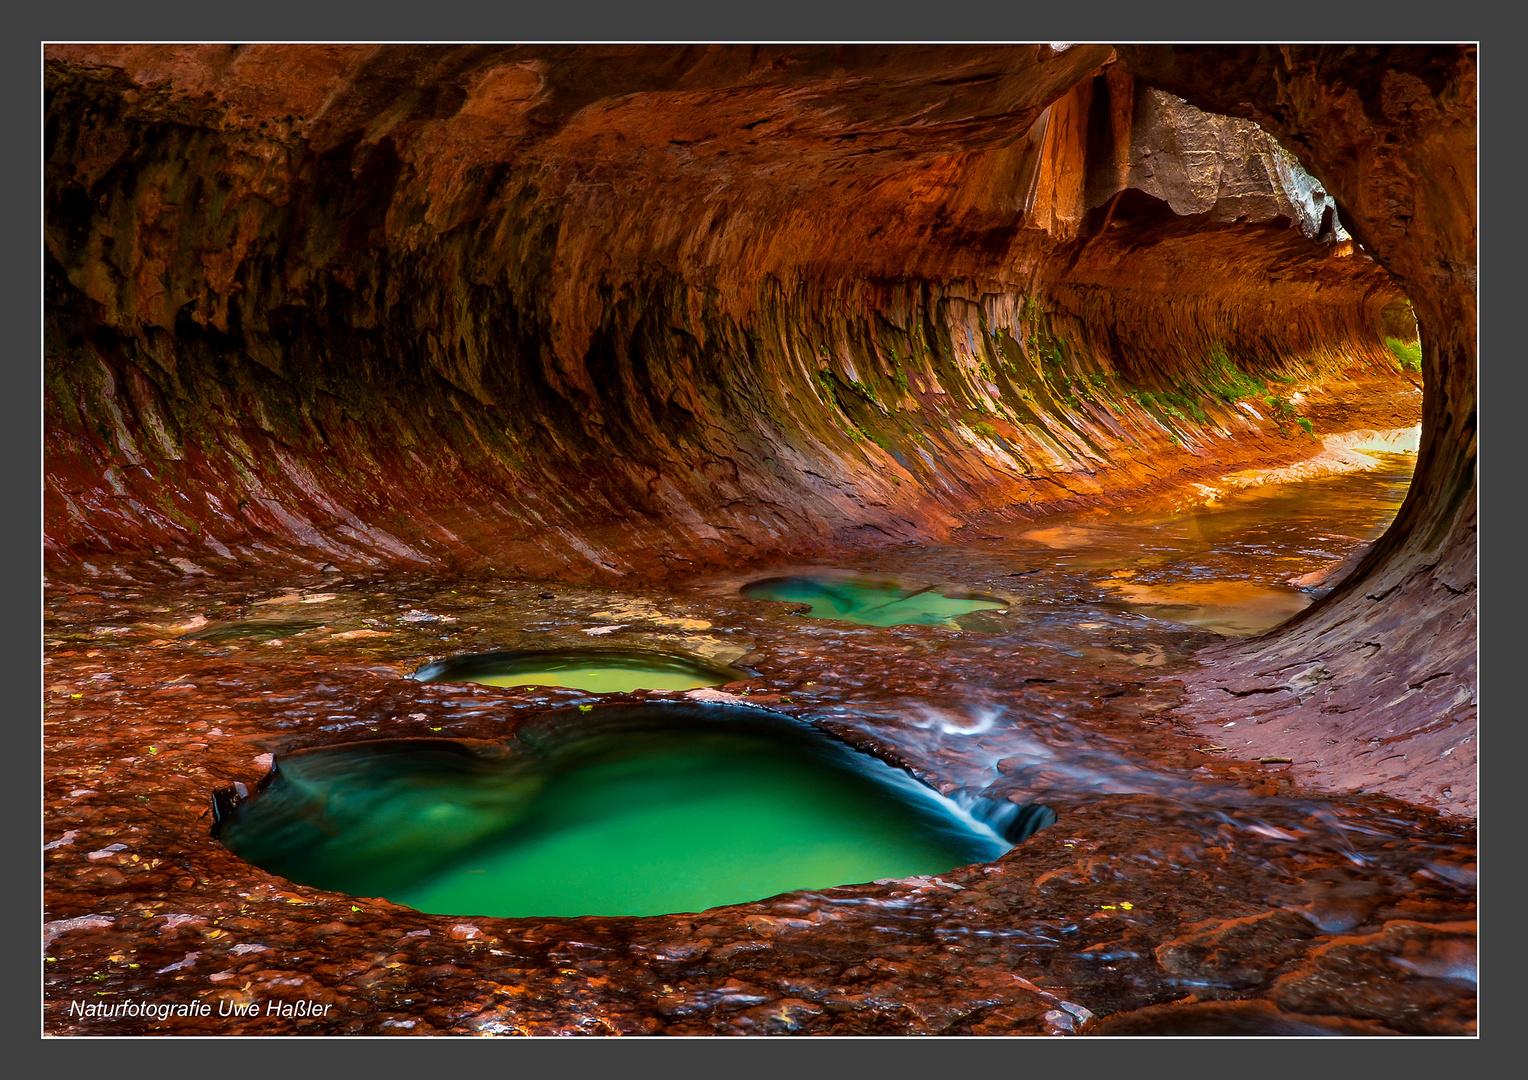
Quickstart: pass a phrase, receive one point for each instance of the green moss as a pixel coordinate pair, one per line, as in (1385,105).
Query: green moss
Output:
(1409,354)
(1304,422)
(1228,382)
(1281,407)
(829,387)
(984,429)
(1184,403)
(1006,348)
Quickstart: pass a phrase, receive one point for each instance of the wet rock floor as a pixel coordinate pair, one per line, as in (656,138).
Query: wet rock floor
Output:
(1180,891)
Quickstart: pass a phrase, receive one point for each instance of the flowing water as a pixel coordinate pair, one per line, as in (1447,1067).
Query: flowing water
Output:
(1173,873)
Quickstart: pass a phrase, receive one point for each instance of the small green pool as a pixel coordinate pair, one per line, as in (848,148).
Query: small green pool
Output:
(873,601)
(628,810)
(599,671)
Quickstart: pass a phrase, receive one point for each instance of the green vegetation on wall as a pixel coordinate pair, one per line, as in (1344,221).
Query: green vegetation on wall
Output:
(1408,353)
(1228,382)
(1047,368)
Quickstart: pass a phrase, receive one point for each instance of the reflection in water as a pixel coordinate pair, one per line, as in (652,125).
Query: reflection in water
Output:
(599,671)
(1231,880)
(872,601)
(620,812)
(1233,608)
(1231,564)
(254,630)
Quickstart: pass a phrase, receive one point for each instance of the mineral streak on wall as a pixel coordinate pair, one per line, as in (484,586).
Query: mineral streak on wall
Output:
(583,312)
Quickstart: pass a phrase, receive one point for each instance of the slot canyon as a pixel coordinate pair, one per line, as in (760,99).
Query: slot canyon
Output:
(1071,448)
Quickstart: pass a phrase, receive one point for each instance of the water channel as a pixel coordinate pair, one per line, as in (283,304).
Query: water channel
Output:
(1171,877)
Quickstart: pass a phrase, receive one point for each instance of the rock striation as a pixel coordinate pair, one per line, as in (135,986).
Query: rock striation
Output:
(466,348)
(627,312)
(1376,686)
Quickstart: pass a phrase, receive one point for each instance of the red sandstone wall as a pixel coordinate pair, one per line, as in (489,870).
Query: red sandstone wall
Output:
(1379,682)
(573,312)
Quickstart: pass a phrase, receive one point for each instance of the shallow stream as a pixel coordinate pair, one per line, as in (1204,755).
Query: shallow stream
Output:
(1175,876)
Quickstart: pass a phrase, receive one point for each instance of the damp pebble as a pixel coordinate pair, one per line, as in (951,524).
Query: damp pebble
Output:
(465,932)
(106,852)
(1061,1020)
(1450,960)
(247,947)
(180,919)
(720,697)
(67,838)
(51,930)
(921,881)
(187,961)
(264,760)
(594,631)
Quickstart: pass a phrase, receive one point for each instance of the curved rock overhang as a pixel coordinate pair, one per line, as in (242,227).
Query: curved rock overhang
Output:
(1383,673)
(597,312)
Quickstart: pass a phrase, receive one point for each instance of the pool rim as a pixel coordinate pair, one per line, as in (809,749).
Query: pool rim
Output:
(225,799)
(724,673)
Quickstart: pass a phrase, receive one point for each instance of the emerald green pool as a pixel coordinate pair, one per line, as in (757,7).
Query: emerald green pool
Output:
(626,811)
(599,671)
(872,601)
